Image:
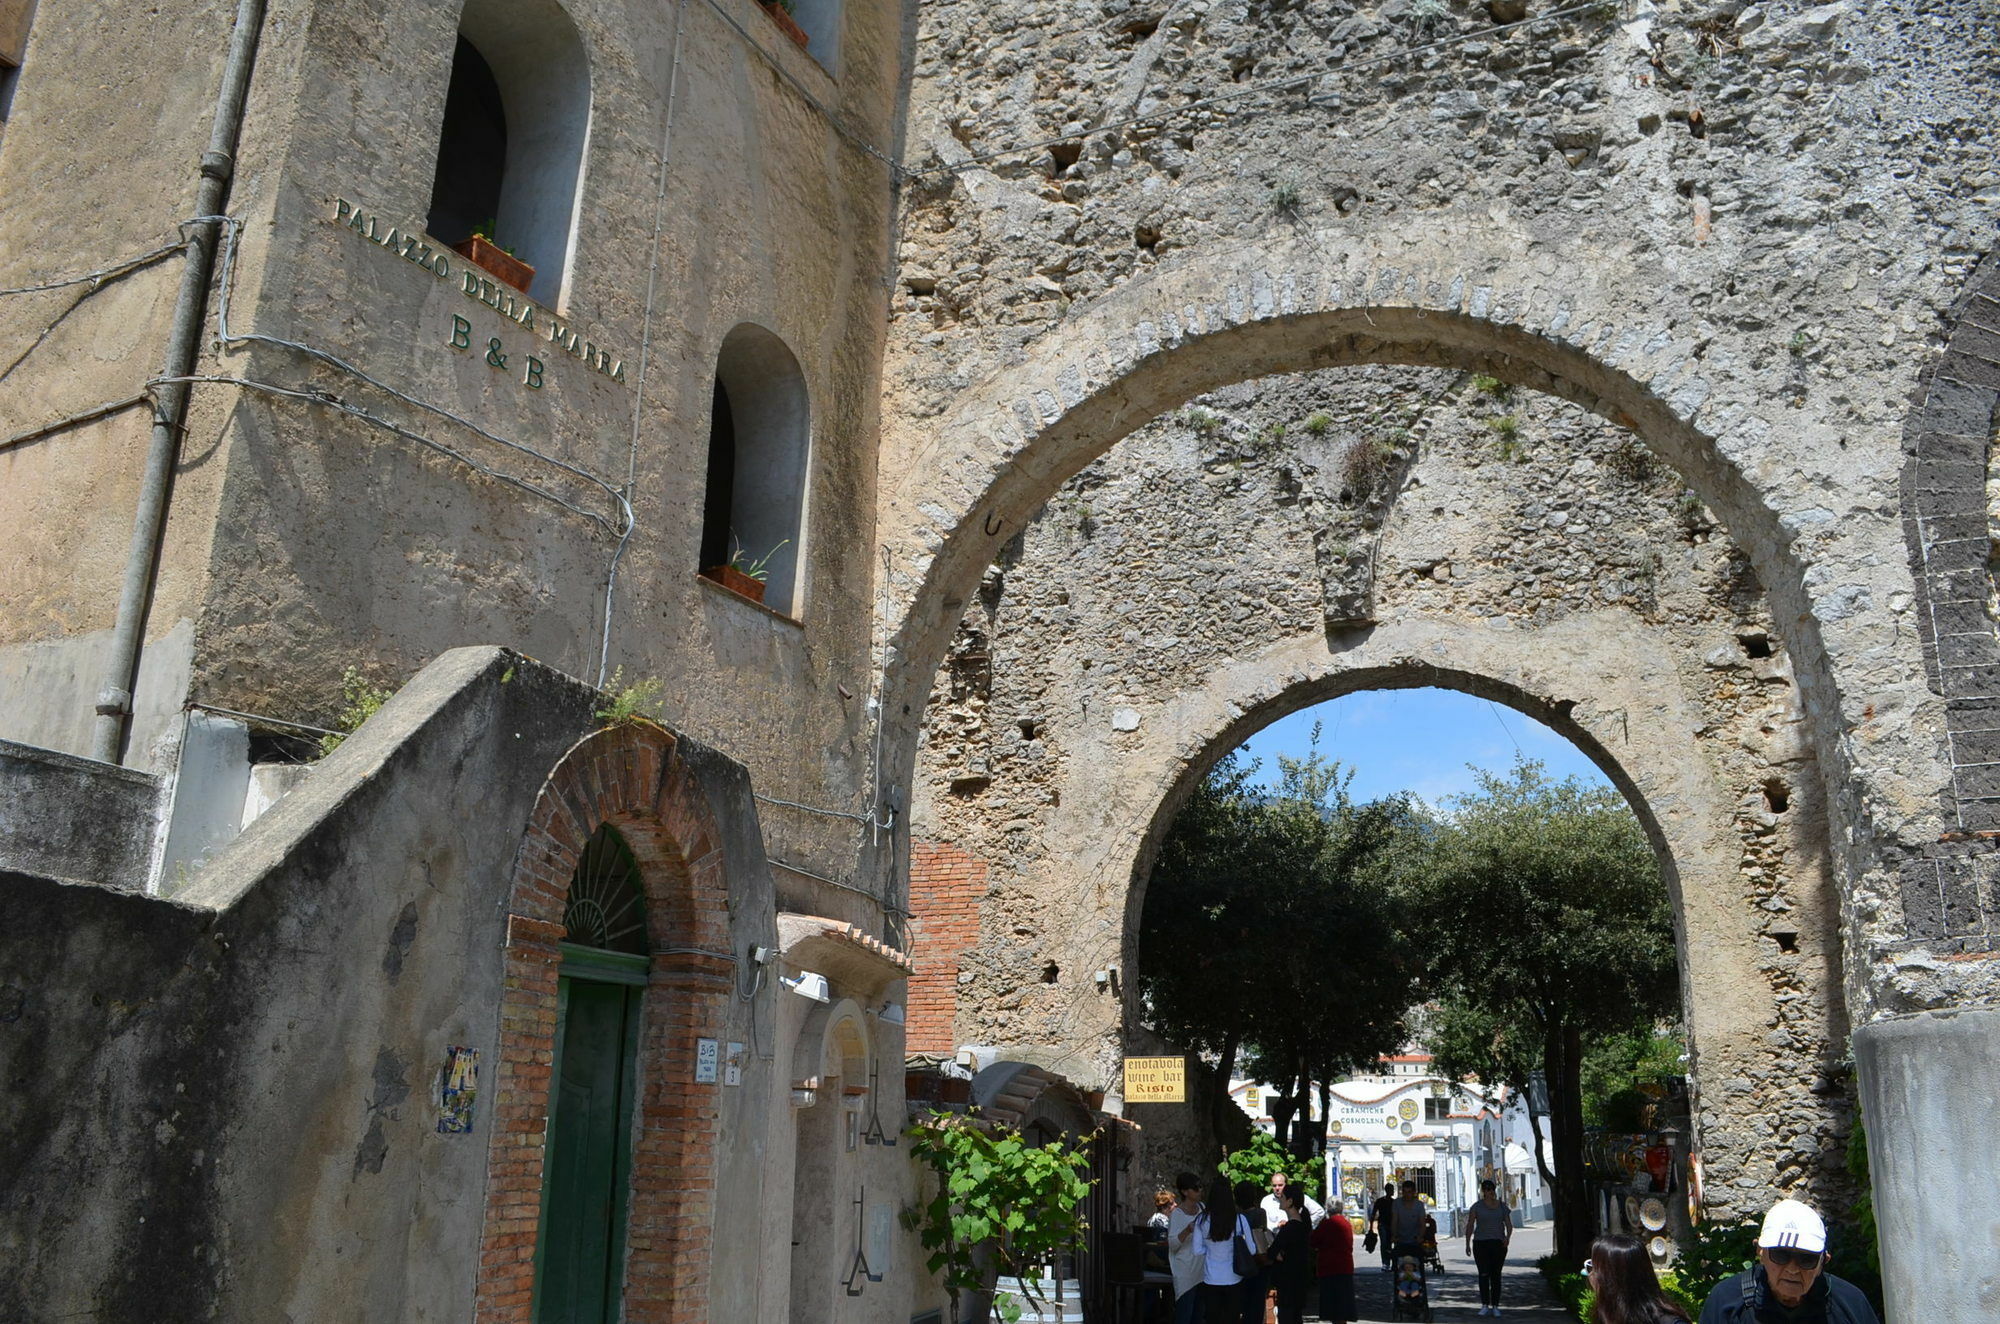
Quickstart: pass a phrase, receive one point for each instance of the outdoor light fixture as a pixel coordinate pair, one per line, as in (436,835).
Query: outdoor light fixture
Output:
(892,1013)
(809,985)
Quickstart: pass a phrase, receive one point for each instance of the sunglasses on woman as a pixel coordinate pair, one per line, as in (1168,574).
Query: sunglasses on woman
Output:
(1792,1259)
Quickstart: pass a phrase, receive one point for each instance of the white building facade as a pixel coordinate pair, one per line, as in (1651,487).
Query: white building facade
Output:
(1404,1122)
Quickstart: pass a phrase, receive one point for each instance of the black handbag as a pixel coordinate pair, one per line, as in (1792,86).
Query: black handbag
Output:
(1243,1259)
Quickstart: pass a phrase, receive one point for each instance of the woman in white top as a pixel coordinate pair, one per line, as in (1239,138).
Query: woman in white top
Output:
(1184,1253)
(1217,1232)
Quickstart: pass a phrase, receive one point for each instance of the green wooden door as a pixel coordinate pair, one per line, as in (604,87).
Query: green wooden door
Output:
(588,1157)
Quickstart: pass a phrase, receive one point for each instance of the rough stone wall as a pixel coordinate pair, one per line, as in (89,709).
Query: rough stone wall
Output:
(1757,216)
(1763,128)
(1302,515)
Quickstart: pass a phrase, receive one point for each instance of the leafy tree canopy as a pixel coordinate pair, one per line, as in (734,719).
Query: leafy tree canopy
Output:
(1540,911)
(1270,923)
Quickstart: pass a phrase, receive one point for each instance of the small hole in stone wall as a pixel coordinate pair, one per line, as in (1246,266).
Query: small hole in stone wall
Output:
(1029,728)
(967,787)
(1050,973)
(1777,796)
(1065,154)
(1755,643)
(1146,236)
(1787,942)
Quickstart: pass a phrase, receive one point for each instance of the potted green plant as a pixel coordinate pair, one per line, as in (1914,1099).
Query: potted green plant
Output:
(743,573)
(479,249)
(781,12)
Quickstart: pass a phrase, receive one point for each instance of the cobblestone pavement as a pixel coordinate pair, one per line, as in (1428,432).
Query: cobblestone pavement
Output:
(1455,1295)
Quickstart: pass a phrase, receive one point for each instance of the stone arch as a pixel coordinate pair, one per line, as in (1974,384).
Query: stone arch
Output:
(1947,439)
(634,778)
(834,1041)
(1479,298)
(1613,694)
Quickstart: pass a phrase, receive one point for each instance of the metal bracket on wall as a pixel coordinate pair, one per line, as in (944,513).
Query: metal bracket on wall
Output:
(876,1134)
(859,1274)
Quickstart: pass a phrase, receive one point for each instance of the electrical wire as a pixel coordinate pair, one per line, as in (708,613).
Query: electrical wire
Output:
(314,395)
(645,342)
(81,416)
(102,274)
(234,228)
(1253,89)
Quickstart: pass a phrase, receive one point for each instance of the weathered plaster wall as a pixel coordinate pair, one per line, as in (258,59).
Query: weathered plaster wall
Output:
(260,1052)
(343,543)
(306,540)
(1176,595)
(97,171)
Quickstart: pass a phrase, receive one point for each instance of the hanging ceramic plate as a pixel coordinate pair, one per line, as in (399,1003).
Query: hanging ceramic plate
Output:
(1652,1213)
(1660,1248)
(1631,1211)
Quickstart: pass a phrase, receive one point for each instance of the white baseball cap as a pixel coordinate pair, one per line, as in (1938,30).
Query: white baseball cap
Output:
(1793,1226)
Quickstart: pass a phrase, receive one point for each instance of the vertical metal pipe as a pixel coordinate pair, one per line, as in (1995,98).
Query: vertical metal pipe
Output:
(218,163)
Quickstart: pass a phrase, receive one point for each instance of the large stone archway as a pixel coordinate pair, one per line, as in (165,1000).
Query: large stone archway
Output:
(1169,602)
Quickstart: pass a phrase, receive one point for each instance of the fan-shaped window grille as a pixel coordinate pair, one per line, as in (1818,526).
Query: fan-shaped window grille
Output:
(607,908)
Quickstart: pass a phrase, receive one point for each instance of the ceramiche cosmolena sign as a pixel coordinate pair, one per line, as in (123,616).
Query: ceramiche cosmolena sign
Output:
(413,247)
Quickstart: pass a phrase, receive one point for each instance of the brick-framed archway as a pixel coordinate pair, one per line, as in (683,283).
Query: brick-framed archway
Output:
(634,778)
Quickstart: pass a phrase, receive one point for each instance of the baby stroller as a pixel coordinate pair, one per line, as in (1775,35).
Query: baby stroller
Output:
(1412,1298)
(1433,1264)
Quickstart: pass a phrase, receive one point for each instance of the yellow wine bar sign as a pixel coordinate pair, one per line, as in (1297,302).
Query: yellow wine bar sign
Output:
(1156,1080)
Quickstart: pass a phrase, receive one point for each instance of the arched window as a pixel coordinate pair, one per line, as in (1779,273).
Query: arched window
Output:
(759,445)
(516,122)
(820,20)
(587,1161)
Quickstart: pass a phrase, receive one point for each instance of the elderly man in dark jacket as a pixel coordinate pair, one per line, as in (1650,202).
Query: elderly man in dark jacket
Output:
(1789,1283)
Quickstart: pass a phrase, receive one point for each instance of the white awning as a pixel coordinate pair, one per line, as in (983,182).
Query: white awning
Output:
(1519,1159)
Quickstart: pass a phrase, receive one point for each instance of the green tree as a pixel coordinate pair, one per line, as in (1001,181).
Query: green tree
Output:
(1256,1161)
(1538,904)
(1269,933)
(1622,1072)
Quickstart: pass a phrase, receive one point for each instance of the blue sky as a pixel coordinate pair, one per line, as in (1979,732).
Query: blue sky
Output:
(1418,740)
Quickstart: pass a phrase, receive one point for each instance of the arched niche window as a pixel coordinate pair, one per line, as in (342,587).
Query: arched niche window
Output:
(820,20)
(516,123)
(759,445)
(587,1156)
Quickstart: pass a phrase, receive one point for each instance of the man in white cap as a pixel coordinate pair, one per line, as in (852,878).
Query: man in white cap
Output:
(1788,1284)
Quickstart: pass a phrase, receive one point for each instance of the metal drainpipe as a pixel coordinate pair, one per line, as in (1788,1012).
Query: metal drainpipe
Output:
(218,163)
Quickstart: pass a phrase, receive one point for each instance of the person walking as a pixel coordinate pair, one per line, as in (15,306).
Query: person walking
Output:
(1184,1257)
(1788,1282)
(1333,1245)
(1624,1286)
(1256,1286)
(1219,1229)
(1406,1223)
(1378,1222)
(1489,1226)
(1292,1257)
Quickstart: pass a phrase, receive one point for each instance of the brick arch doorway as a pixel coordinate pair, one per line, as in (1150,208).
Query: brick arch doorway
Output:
(633,780)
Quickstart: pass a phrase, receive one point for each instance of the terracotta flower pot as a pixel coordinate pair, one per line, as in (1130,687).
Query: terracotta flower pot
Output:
(736,581)
(785,22)
(481,252)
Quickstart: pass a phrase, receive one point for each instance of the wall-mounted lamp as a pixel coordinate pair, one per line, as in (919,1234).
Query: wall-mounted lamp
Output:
(809,985)
(892,1013)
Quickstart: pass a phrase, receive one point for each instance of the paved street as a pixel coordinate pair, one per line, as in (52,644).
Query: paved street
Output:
(1455,1296)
